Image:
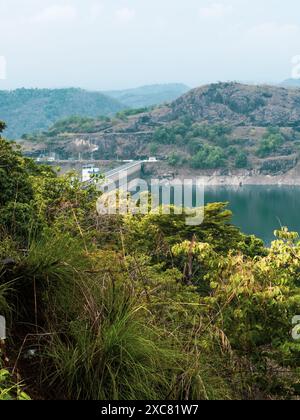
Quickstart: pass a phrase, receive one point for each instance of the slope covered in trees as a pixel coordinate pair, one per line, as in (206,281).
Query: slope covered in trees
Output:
(34,110)
(139,306)
(28,111)
(226,127)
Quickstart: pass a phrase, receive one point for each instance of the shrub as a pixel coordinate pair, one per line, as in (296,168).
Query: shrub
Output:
(175,160)
(209,157)
(9,390)
(271,141)
(241,160)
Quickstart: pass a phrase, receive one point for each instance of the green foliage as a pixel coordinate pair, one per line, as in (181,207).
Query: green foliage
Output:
(270,143)
(164,136)
(211,132)
(209,157)
(48,106)
(241,160)
(2,126)
(131,112)
(153,148)
(115,354)
(175,160)
(9,390)
(14,175)
(184,132)
(155,234)
(141,306)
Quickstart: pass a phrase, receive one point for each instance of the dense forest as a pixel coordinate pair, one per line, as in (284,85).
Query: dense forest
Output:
(34,110)
(47,106)
(138,306)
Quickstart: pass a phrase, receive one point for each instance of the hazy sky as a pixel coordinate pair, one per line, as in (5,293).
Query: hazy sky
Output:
(112,44)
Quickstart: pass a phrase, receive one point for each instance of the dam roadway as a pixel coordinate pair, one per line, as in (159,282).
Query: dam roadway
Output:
(124,173)
(131,168)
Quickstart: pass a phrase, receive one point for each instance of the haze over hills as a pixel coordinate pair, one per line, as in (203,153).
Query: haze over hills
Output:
(146,96)
(291,83)
(225,126)
(35,110)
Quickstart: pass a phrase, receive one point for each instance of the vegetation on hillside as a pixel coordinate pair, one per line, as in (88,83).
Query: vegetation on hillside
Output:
(47,106)
(139,306)
(226,127)
(34,110)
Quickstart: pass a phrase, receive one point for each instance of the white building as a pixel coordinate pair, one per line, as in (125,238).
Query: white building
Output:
(88,171)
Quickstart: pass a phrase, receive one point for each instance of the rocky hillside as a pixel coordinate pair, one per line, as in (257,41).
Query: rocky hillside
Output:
(240,105)
(223,127)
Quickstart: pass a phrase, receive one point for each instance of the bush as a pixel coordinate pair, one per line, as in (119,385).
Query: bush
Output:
(175,160)
(142,306)
(209,157)
(241,160)
(271,141)
(9,390)
(110,350)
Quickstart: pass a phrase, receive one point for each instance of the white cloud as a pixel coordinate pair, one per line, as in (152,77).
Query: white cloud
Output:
(96,11)
(271,31)
(55,13)
(125,15)
(273,37)
(215,10)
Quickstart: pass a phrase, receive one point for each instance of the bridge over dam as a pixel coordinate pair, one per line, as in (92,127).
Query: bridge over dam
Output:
(124,173)
(131,168)
(112,170)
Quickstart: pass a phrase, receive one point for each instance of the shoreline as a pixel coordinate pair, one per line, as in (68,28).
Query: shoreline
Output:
(231,181)
(240,181)
(222,178)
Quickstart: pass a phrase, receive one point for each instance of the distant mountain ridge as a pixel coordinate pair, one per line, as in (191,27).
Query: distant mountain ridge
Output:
(34,110)
(224,126)
(150,95)
(291,83)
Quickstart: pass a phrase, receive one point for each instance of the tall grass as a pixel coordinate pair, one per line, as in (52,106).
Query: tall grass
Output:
(109,350)
(98,339)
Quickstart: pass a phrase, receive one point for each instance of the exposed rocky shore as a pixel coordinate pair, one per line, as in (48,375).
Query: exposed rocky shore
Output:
(219,177)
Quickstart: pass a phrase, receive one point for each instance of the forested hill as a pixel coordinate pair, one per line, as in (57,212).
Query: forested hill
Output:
(34,110)
(224,126)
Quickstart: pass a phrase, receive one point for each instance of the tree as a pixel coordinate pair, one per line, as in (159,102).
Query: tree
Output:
(174,159)
(209,157)
(241,160)
(2,126)
(153,148)
(270,142)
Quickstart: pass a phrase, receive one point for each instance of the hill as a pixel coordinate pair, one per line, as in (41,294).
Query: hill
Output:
(291,83)
(224,127)
(146,96)
(33,110)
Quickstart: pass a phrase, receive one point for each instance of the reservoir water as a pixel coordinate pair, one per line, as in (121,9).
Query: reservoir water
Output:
(260,210)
